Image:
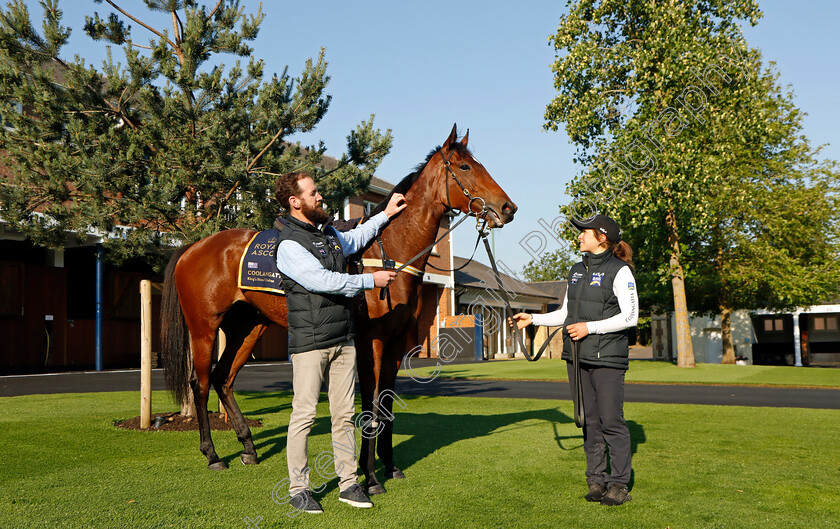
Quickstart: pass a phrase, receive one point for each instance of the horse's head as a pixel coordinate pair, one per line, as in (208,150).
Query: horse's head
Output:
(468,186)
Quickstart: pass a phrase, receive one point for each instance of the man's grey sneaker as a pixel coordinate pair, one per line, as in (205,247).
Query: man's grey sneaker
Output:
(356,497)
(596,492)
(303,501)
(616,494)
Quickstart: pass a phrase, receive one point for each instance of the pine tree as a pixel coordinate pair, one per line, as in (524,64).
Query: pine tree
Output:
(166,147)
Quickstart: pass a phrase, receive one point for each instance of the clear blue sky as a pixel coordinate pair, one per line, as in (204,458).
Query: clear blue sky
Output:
(485,65)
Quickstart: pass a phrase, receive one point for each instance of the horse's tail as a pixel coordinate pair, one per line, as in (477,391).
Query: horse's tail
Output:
(174,335)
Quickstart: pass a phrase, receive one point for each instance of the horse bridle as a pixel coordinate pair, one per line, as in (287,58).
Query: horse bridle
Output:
(470,198)
(483,231)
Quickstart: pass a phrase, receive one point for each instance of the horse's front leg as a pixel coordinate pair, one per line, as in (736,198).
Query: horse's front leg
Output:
(385,404)
(371,427)
(369,370)
(385,443)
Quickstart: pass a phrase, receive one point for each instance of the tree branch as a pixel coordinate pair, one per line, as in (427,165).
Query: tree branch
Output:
(153,30)
(251,165)
(177,27)
(131,43)
(213,12)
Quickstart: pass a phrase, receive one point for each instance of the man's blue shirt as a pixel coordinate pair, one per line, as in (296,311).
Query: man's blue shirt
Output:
(304,269)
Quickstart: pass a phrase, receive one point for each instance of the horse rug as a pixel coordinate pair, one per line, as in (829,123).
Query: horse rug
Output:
(258,265)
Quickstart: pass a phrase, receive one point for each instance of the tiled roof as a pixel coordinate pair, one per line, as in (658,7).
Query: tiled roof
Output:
(477,275)
(556,289)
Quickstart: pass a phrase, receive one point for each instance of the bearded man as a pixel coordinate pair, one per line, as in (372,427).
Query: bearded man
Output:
(311,257)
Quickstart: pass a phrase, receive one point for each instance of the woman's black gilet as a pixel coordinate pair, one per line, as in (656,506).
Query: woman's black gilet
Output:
(591,298)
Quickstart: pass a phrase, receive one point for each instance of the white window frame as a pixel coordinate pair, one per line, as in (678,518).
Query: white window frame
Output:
(18,108)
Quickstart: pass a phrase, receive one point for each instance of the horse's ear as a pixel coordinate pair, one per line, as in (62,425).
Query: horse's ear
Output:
(465,138)
(453,136)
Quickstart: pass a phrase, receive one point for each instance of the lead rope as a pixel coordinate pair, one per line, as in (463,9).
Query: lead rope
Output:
(516,331)
(388,264)
(578,400)
(429,247)
(578,404)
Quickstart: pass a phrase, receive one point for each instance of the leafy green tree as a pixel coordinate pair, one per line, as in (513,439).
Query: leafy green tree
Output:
(677,121)
(779,249)
(552,266)
(170,143)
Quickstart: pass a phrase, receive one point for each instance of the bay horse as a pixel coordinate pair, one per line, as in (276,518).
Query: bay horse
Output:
(201,295)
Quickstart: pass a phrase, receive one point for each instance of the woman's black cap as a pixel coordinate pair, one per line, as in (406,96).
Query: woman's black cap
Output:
(602,223)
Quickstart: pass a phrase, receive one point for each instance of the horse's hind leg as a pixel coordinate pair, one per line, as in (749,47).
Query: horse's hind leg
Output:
(201,344)
(241,336)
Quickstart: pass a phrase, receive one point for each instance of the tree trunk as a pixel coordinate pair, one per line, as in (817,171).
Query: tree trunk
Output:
(685,353)
(188,405)
(726,336)
(723,303)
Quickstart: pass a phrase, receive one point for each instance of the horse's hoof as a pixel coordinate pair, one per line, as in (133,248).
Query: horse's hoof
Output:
(372,490)
(249,459)
(218,465)
(396,474)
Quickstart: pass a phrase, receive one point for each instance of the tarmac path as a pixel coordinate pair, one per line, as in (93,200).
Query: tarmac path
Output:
(278,377)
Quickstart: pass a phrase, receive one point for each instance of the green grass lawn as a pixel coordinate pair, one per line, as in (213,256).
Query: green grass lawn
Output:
(470,462)
(642,371)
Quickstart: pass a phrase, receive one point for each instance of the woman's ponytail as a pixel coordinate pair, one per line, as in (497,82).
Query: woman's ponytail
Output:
(623,251)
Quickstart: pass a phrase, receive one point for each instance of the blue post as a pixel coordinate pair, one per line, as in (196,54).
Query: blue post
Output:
(479,338)
(99,307)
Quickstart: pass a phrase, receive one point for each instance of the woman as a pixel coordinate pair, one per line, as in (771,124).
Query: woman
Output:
(600,304)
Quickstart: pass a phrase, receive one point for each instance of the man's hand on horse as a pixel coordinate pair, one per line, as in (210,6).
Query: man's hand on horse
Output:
(383,278)
(395,205)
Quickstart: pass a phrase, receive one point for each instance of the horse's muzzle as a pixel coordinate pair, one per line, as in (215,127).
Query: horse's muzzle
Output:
(496,218)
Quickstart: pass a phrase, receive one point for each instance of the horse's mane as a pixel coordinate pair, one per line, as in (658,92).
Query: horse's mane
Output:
(405,184)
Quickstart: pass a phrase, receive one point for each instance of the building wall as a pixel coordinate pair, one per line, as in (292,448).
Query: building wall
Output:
(764,338)
(706,340)
(540,335)
(47,319)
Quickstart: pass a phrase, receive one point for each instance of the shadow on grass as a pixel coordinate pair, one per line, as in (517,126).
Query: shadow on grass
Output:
(433,431)
(637,437)
(456,373)
(429,432)
(271,441)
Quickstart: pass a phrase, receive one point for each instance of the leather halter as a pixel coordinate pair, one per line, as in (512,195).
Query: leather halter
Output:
(388,264)
(466,192)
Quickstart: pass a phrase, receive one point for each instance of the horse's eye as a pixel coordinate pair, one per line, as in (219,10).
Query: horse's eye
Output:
(465,167)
